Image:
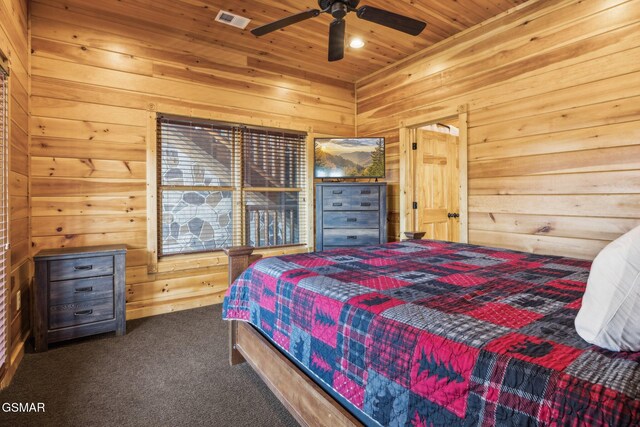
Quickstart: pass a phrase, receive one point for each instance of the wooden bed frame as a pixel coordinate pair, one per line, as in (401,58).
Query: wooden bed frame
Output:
(304,399)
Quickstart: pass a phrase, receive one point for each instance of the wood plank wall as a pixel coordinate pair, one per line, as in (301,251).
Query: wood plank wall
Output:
(14,43)
(554,115)
(550,89)
(95,75)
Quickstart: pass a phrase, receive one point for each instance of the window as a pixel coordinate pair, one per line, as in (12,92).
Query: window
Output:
(4,207)
(222,185)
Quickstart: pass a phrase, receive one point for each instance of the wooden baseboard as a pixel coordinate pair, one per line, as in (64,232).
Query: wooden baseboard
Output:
(304,399)
(15,357)
(148,308)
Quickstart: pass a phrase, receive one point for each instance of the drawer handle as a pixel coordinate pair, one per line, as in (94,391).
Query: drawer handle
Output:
(83,312)
(352,219)
(352,237)
(365,204)
(81,290)
(365,192)
(337,191)
(337,204)
(83,267)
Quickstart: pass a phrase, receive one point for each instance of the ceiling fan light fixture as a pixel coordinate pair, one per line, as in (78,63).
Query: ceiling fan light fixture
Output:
(356,43)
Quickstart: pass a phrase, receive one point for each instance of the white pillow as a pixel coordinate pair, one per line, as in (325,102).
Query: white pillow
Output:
(610,313)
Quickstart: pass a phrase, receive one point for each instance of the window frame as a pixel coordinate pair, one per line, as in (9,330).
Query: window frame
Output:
(179,262)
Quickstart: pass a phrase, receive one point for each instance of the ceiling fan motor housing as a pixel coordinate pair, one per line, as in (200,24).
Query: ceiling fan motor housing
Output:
(338,8)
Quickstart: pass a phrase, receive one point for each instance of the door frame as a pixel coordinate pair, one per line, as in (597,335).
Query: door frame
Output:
(407,137)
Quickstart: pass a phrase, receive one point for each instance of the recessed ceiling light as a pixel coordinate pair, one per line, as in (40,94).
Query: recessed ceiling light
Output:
(356,43)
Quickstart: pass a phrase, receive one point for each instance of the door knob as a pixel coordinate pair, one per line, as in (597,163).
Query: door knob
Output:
(453,215)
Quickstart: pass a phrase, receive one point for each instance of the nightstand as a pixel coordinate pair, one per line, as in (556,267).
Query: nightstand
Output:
(78,292)
(414,235)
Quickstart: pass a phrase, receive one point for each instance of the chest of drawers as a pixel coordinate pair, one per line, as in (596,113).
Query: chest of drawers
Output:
(350,215)
(79,292)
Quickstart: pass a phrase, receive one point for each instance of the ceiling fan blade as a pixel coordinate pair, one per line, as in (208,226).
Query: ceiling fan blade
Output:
(284,22)
(391,20)
(336,40)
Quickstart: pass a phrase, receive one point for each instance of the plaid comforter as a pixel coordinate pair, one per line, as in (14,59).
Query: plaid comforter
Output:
(432,333)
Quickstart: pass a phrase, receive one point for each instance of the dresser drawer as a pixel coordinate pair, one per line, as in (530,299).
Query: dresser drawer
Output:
(79,268)
(351,198)
(351,219)
(352,237)
(342,203)
(70,291)
(80,313)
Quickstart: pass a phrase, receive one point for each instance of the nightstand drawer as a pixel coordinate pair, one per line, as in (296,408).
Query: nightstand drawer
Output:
(63,315)
(351,219)
(79,268)
(352,237)
(71,291)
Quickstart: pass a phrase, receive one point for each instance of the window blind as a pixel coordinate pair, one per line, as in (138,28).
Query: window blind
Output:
(4,208)
(223,184)
(198,165)
(274,187)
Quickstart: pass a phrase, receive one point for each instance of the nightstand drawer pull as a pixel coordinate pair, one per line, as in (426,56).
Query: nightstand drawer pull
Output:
(365,204)
(352,219)
(82,290)
(83,267)
(352,237)
(337,191)
(83,313)
(337,204)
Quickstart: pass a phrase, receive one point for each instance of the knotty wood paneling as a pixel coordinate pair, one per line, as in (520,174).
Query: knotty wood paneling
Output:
(549,86)
(554,121)
(299,51)
(14,43)
(98,70)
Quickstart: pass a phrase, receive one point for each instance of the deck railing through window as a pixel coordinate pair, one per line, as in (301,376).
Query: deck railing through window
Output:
(272,226)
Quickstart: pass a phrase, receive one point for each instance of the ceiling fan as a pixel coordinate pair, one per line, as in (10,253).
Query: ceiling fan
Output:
(339,9)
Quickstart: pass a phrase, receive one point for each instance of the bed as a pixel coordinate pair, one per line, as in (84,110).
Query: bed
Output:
(424,332)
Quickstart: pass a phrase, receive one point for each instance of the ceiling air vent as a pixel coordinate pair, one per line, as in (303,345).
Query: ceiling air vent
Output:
(232,19)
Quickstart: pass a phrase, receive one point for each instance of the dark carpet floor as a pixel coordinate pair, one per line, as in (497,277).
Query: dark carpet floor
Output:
(169,370)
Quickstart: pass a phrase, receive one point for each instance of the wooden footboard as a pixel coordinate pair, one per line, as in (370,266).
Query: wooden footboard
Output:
(303,398)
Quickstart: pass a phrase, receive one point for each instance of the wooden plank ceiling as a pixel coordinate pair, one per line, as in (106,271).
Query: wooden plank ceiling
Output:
(301,48)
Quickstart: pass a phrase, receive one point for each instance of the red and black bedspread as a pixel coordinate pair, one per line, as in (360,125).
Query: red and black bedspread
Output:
(432,333)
